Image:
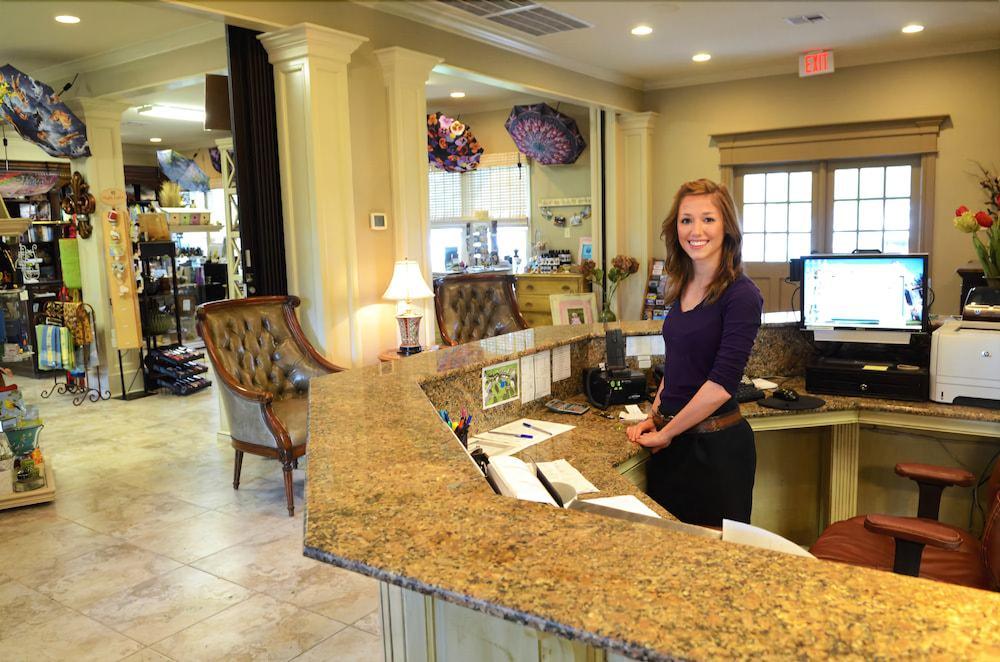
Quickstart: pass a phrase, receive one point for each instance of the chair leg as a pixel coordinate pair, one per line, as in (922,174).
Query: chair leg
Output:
(236,470)
(286,467)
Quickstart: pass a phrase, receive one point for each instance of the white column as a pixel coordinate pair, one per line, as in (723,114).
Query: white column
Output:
(317,185)
(103,169)
(637,225)
(405,73)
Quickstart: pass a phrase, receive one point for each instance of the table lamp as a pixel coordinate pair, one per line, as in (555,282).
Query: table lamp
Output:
(406,285)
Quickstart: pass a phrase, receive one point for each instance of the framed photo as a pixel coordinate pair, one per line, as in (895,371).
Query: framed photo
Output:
(573,308)
(501,383)
(586,249)
(378,221)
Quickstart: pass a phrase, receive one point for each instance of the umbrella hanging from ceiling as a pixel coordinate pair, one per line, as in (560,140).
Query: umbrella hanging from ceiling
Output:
(182,170)
(451,145)
(545,135)
(38,115)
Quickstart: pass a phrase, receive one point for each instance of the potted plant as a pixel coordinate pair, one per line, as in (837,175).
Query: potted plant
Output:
(622,267)
(986,221)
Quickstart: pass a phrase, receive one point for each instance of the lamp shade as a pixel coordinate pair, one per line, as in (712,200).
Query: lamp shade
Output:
(407,283)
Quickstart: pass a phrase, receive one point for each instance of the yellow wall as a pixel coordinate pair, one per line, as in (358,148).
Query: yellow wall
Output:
(966,87)
(568,181)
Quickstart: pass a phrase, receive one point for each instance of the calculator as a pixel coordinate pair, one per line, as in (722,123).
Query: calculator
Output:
(563,407)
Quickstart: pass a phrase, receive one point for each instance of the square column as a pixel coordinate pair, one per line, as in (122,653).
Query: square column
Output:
(104,169)
(317,184)
(638,229)
(405,73)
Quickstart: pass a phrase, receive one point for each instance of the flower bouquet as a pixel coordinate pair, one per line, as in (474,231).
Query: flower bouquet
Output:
(988,220)
(622,267)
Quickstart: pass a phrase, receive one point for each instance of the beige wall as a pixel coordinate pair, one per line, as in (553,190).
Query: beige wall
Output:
(966,87)
(370,155)
(568,181)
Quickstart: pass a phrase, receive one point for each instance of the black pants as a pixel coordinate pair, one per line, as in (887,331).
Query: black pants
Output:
(703,478)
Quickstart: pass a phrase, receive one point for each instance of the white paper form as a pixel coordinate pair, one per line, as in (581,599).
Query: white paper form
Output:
(656,346)
(638,345)
(561,368)
(561,471)
(527,379)
(626,502)
(543,373)
(503,444)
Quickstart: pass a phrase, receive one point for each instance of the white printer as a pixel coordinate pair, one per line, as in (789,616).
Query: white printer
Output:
(965,354)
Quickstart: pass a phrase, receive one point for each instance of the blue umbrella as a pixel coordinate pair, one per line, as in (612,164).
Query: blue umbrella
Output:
(182,170)
(39,116)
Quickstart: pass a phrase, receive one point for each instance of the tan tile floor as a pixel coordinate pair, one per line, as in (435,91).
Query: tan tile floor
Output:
(148,553)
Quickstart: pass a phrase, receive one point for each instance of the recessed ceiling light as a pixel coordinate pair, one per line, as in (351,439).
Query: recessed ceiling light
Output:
(913,28)
(173,113)
(66,18)
(156,140)
(642,30)
(701,57)
(457,95)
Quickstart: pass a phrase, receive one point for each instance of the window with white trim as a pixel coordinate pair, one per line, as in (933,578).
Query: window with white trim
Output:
(827,207)
(500,187)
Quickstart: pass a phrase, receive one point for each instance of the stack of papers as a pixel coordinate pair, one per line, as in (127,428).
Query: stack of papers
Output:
(499,441)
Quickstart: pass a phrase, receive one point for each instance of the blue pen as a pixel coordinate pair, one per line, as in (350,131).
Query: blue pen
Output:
(511,434)
(535,427)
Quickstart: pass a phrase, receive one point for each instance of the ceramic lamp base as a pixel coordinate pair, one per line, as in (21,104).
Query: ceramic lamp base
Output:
(409,333)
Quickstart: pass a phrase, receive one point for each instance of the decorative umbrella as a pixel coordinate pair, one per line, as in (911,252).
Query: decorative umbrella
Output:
(451,145)
(39,116)
(182,170)
(544,134)
(20,183)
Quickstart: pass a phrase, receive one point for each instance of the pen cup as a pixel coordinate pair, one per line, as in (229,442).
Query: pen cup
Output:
(463,436)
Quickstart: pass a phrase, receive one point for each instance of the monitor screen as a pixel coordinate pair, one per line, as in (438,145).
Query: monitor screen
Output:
(880,292)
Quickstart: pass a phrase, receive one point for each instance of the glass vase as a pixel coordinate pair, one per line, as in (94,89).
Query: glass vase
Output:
(606,314)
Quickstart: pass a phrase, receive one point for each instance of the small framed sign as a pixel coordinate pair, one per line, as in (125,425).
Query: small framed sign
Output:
(378,221)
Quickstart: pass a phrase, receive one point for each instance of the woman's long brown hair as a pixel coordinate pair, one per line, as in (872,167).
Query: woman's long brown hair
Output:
(679,268)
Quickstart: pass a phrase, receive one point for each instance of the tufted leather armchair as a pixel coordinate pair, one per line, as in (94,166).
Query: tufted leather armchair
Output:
(923,546)
(476,306)
(264,362)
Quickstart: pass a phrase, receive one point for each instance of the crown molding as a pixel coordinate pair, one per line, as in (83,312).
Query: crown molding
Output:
(792,67)
(192,36)
(455,22)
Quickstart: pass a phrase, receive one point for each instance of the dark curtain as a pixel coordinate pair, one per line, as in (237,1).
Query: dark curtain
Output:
(258,181)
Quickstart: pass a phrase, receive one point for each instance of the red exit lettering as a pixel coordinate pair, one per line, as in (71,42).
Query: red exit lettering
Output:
(820,62)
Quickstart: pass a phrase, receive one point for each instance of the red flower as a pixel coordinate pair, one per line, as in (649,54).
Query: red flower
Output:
(961,210)
(984,219)
(997,200)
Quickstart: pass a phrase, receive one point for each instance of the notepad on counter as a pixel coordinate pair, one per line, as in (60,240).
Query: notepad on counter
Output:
(514,437)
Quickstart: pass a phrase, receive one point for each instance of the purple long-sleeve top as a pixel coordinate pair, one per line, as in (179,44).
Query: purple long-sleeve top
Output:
(710,342)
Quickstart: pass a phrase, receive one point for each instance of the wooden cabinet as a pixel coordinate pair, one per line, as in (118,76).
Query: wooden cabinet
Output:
(533,292)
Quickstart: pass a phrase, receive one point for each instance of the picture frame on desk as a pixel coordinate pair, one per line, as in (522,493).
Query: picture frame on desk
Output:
(578,308)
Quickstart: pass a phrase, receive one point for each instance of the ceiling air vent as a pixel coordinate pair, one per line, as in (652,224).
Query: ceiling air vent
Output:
(805,19)
(523,15)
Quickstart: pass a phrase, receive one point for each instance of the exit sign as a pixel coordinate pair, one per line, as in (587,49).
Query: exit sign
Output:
(815,63)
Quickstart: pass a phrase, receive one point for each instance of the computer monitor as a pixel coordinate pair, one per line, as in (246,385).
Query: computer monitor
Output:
(872,298)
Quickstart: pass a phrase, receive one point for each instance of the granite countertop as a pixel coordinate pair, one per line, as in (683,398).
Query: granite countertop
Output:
(391,494)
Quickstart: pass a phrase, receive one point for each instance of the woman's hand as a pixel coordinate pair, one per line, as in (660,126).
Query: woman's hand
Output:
(636,431)
(655,441)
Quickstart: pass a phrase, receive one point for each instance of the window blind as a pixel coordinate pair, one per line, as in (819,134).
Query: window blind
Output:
(498,187)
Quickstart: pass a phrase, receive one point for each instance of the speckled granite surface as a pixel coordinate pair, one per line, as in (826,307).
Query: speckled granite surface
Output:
(391,494)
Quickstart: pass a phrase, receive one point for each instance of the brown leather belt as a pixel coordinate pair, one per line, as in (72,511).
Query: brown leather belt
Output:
(710,424)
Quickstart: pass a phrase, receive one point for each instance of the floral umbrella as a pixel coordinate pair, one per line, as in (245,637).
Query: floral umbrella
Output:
(39,116)
(544,134)
(451,145)
(182,170)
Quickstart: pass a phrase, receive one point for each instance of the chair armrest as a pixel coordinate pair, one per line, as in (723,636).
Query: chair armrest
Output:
(935,475)
(913,529)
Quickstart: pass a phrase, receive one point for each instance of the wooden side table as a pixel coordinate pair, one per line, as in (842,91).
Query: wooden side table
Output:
(392,354)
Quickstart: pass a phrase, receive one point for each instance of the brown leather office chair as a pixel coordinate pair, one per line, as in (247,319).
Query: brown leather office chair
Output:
(476,306)
(264,363)
(921,545)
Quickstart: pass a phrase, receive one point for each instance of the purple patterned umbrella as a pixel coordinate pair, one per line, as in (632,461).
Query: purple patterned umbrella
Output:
(451,145)
(39,116)
(544,134)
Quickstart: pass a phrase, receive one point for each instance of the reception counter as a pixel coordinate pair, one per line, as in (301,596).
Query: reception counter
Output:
(469,574)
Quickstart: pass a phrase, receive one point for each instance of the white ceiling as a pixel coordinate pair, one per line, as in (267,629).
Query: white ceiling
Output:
(479,97)
(112,34)
(746,39)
